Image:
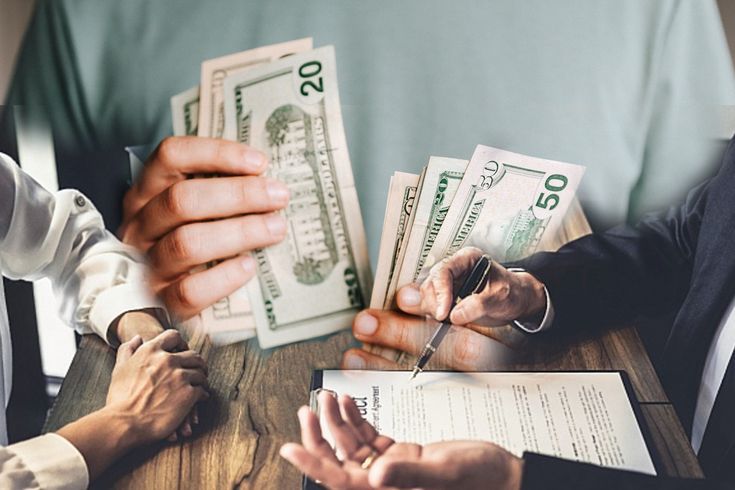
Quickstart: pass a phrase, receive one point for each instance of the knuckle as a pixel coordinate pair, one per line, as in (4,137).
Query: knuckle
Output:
(235,276)
(404,336)
(179,199)
(168,150)
(254,230)
(221,151)
(242,191)
(179,376)
(504,292)
(184,294)
(182,243)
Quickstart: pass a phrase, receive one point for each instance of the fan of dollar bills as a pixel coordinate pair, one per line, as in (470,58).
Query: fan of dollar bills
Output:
(283,100)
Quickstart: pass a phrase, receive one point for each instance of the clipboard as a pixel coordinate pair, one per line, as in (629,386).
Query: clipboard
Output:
(317,379)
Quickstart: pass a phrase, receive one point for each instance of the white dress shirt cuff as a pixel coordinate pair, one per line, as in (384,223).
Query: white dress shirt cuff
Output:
(548,319)
(113,302)
(54,462)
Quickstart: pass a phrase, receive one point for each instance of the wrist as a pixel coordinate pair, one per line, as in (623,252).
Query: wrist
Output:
(101,437)
(534,293)
(123,427)
(132,323)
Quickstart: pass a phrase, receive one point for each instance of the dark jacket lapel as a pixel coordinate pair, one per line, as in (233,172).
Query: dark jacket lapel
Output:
(711,290)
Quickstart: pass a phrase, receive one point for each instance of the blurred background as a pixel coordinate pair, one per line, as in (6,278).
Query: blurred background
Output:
(15,14)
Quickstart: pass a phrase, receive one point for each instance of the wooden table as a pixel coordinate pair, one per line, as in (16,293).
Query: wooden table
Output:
(256,393)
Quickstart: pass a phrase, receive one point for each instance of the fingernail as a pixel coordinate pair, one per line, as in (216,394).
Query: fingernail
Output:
(277,191)
(457,315)
(276,224)
(248,263)
(353,361)
(410,296)
(366,324)
(254,159)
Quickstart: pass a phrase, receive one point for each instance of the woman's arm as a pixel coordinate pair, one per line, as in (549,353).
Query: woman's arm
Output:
(62,236)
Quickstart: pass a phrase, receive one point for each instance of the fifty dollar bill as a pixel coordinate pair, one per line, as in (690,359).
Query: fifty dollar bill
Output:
(507,204)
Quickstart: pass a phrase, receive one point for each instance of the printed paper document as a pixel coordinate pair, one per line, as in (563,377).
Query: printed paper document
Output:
(583,416)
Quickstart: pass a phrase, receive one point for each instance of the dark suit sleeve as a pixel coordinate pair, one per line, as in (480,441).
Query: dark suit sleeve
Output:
(611,278)
(543,472)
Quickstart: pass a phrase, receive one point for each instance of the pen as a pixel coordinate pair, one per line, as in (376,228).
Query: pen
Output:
(471,285)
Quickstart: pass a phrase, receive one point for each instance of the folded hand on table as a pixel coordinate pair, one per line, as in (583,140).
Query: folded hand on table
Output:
(145,325)
(481,319)
(154,386)
(159,382)
(364,459)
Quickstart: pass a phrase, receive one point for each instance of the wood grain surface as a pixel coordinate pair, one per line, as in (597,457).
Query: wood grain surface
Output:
(256,394)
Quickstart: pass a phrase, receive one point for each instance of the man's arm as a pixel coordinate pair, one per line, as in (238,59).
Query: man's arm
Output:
(612,277)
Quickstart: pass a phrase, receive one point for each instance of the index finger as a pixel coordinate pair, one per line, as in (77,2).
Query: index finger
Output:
(177,157)
(463,348)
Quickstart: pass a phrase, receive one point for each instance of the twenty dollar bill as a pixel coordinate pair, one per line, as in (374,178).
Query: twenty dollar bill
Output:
(316,280)
(214,72)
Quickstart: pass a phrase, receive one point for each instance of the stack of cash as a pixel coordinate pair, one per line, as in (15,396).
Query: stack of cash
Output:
(283,100)
(507,204)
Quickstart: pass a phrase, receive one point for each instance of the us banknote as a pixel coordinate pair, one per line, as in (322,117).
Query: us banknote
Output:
(230,319)
(507,204)
(214,72)
(441,181)
(398,207)
(185,112)
(318,278)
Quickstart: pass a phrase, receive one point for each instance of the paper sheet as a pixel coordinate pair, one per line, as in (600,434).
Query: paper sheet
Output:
(574,415)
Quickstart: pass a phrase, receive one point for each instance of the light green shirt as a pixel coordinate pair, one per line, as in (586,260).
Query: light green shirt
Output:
(629,88)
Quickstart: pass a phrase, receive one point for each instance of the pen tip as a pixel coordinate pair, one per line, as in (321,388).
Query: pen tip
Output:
(414,373)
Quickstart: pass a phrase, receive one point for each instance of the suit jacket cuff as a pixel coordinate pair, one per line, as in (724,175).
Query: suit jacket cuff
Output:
(542,472)
(548,319)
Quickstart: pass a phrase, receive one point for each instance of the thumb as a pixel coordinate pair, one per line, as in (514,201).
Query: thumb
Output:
(126,350)
(388,472)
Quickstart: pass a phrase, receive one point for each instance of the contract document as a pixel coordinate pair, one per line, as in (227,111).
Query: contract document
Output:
(582,416)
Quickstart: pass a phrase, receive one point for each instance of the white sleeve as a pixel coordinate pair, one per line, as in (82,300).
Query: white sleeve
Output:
(62,236)
(44,462)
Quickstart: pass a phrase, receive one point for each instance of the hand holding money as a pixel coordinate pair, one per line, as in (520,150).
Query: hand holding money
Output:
(183,223)
(283,100)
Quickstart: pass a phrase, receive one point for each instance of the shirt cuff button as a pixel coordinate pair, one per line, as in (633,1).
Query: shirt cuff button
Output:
(80,201)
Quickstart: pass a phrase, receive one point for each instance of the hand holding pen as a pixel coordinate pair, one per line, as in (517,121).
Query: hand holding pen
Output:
(459,291)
